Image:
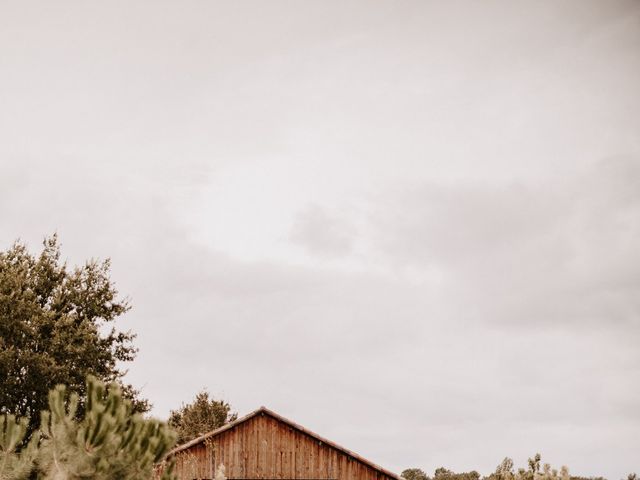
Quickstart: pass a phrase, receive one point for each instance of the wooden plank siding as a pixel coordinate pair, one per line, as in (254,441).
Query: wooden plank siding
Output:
(264,445)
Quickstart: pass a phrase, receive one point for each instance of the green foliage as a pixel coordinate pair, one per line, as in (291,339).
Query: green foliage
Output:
(504,471)
(444,474)
(14,465)
(54,329)
(108,442)
(414,474)
(203,415)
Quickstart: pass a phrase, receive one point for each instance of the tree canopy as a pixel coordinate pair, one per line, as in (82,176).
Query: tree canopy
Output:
(56,327)
(199,417)
(445,474)
(414,474)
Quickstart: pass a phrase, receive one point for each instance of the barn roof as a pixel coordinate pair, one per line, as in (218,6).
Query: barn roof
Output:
(300,428)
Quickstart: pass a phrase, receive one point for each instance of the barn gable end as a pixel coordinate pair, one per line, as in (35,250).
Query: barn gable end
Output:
(264,445)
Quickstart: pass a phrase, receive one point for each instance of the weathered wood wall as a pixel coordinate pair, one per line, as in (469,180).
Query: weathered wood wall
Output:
(266,448)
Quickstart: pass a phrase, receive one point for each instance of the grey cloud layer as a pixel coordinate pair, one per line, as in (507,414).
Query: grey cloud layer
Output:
(440,362)
(473,294)
(542,247)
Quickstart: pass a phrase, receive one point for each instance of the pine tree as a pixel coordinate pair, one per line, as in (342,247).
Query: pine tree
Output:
(108,442)
(14,465)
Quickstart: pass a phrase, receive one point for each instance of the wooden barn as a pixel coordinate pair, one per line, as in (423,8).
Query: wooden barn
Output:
(264,445)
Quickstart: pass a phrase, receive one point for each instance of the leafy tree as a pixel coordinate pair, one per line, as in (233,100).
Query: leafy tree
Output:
(505,468)
(199,417)
(534,465)
(414,474)
(107,442)
(54,329)
(505,471)
(444,474)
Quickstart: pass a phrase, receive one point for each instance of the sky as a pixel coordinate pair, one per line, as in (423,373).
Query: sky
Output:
(411,227)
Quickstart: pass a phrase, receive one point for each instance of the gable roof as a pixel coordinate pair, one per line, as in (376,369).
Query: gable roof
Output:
(300,428)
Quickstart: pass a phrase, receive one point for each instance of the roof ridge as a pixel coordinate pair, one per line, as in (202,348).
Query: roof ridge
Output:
(300,428)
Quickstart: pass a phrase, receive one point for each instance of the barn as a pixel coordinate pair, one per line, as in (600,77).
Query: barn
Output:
(264,445)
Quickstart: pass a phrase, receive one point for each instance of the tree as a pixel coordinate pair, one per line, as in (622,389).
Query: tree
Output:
(534,465)
(444,474)
(414,474)
(107,442)
(199,417)
(504,471)
(56,328)
(14,464)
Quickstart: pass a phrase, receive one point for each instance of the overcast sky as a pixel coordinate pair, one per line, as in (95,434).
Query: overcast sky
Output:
(412,227)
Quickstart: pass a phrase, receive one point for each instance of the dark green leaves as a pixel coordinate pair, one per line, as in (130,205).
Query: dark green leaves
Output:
(203,415)
(54,329)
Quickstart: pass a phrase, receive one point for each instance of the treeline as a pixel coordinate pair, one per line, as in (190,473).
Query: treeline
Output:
(535,470)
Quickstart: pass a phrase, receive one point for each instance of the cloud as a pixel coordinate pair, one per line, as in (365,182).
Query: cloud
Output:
(561,251)
(320,233)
